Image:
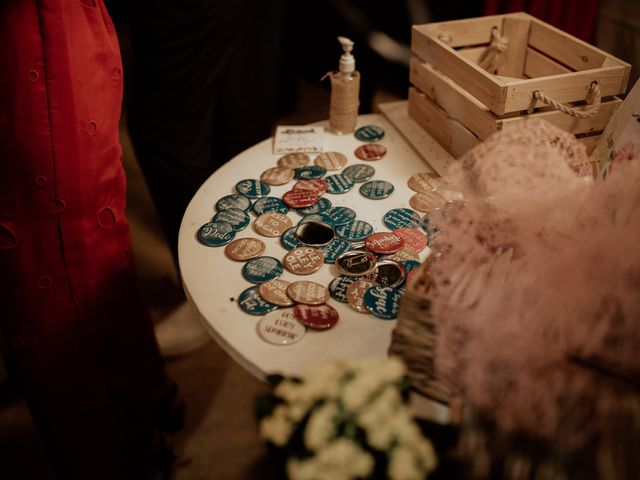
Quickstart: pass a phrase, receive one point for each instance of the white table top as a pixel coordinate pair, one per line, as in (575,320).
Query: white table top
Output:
(213,282)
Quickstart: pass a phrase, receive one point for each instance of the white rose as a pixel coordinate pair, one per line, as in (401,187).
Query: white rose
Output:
(276,427)
(321,426)
(403,465)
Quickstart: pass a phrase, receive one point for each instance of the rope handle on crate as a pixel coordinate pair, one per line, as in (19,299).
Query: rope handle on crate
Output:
(594,100)
(490,57)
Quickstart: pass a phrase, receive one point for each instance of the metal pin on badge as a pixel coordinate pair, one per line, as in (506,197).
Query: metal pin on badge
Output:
(356,263)
(389,273)
(314,234)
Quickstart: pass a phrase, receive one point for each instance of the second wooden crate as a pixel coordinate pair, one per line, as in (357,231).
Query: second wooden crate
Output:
(460,103)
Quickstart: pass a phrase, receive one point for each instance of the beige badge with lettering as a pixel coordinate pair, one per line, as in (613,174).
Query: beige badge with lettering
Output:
(272,224)
(304,260)
(244,249)
(309,293)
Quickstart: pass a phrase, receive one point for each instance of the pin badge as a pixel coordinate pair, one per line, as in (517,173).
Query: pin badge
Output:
(288,239)
(322,205)
(371,151)
(238,219)
(356,292)
(300,198)
(318,317)
(215,234)
(281,327)
(341,215)
(303,260)
(317,218)
(233,201)
(389,273)
(369,133)
(261,269)
(269,204)
(244,249)
(334,249)
(413,238)
(252,303)
(331,160)
(358,230)
(376,189)
(425,182)
(275,291)
(383,302)
(272,224)
(359,172)
(277,175)
(338,183)
(309,293)
(309,172)
(252,188)
(384,243)
(401,218)
(427,202)
(318,185)
(294,160)
(338,287)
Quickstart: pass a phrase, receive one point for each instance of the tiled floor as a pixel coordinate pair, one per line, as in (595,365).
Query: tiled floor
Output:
(220,439)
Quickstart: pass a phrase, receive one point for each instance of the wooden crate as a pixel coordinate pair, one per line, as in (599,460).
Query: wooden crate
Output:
(459,103)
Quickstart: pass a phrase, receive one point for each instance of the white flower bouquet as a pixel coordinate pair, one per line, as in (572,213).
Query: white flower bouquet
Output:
(346,420)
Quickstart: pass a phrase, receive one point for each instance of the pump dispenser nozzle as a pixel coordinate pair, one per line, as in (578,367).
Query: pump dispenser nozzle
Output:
(347,60)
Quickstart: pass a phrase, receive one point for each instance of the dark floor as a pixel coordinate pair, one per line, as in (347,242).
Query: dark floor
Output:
(220,439)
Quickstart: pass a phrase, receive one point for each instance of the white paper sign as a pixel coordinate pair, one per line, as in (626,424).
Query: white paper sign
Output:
(298,138)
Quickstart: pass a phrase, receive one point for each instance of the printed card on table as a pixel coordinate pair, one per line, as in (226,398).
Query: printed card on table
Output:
(298,139)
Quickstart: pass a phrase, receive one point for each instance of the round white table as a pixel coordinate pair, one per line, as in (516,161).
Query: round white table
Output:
(213,282)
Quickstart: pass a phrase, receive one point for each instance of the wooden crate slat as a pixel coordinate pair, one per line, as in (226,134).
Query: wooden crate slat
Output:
(566,87)
(452,98)
(482,85)
(451,134)
(462,33)
(565,48)
(539,65)
(511,61)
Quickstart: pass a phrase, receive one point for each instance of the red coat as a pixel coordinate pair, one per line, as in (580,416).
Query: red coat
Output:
(77,337)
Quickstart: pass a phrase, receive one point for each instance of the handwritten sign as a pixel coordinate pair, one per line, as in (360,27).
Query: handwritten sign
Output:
(298,138)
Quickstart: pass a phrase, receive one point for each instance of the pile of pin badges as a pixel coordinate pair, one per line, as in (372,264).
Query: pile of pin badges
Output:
(373,266)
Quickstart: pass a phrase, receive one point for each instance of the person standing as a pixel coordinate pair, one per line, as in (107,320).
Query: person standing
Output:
(77,338)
